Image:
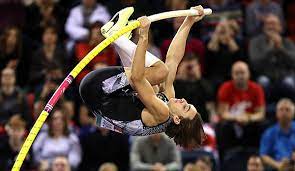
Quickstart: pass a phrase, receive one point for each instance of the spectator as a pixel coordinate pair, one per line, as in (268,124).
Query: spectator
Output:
(40,14)
(68,107)
(224,48)
(48,55)
(11,144)
(14,53)
(208,149)
(60,164)
(57,141)
(209,145)
(271,50)
(256,13)
(277,143)
(241,105)
(223,10)
(105,58)
(87,125)
(12,99)
(255,164)
(108,167)
(102,146)
(156,152)
(190,84)
(10,48)
(193,45)
(202,164)
(53,78)
(190,167)
(81,17)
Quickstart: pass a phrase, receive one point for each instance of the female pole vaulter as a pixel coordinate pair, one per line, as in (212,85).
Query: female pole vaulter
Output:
(123,98)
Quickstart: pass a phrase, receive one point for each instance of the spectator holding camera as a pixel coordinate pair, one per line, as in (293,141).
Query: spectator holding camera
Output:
(277,144)
(273,58)
(223,49)
(190,84)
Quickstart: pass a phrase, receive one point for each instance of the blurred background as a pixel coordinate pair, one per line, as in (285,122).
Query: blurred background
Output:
(238,69)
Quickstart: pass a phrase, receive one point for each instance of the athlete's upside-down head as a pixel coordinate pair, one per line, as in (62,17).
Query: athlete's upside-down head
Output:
(186,128)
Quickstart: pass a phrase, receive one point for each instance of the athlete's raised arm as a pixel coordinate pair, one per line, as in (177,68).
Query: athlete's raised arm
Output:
(154,105)
(177,48)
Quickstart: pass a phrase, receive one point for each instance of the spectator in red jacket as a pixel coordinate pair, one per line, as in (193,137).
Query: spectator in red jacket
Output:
(241,105)
(105,58)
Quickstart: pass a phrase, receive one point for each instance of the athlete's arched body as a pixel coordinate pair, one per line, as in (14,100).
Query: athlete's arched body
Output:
(124,100)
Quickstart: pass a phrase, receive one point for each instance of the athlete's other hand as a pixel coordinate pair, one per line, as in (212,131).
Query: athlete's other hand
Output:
(144,25)
(198,17)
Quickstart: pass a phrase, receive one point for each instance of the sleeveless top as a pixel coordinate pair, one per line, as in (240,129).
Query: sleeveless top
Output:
(115,104)
(135,127)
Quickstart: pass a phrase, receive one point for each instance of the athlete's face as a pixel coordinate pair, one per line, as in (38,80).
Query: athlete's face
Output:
(180,108)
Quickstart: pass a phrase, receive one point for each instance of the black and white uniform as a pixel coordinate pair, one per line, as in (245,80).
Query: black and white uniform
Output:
(115,104)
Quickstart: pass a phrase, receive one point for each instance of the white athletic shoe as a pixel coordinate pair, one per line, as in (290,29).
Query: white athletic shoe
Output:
(109,28)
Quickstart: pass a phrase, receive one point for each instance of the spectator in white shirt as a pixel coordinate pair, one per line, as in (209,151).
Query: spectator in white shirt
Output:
(57,141)
(80,19)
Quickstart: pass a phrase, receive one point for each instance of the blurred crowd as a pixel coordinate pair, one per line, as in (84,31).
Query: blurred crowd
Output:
(238,70)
